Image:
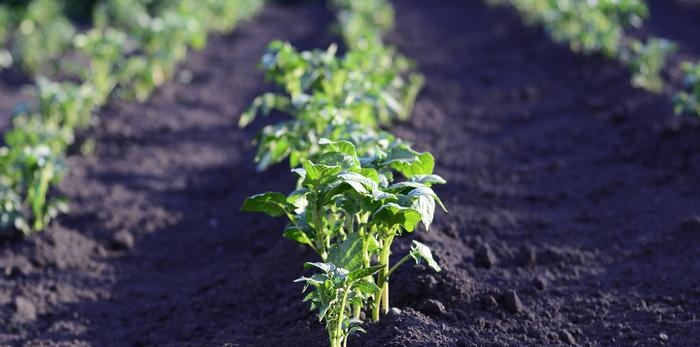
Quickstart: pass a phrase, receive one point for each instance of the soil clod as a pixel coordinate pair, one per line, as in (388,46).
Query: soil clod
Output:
(527,257)
(540,283)
(122,240)
(511,302)
(484,257)
(566,337)
(433,307)
(25,311)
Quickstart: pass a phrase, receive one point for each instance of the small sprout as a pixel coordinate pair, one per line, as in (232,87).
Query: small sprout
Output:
(421,253)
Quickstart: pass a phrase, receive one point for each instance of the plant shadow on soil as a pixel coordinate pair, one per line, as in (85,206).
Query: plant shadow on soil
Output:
(574,217)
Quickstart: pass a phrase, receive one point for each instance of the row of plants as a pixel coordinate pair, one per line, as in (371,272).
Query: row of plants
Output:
(359,187)
(130,50)
(600,27)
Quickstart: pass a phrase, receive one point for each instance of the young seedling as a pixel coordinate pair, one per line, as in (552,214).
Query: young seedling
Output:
(332,293)
(359,187)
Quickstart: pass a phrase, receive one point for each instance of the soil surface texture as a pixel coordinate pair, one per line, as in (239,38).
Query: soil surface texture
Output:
(574,212)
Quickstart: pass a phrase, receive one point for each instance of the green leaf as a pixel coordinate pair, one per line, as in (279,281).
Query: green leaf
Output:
(392,214)
(379,195)
(249,115)
(366,287)
(325,267)
(364,272)
(423,166)
(423,199)
(426,206)
(427,191)
(428,180)
(344,147)
(263,104)
(314,280)
(400,153)
(421,252)
(271,203)
(316,172)
(347,254)
(359,183)
(339,159)
(298,235)
(403,187)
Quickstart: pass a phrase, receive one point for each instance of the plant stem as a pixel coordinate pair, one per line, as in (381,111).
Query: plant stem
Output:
(356,310)
(381,300)
(321,237)
(396,266)
(39,196)
(340,338)
(385,261)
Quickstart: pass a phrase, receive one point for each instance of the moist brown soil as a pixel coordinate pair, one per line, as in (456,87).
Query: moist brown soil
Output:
(574,212)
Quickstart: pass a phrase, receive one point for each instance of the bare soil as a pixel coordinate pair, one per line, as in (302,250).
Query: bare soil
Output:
(573,197)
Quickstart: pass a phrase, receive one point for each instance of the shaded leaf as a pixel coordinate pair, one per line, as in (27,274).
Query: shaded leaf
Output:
(271,203)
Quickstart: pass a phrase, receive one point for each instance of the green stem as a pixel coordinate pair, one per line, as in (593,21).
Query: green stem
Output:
(321,237)
(397,265)
(381,299)
(39,197)
(386,252)
(356,311)
(339,336)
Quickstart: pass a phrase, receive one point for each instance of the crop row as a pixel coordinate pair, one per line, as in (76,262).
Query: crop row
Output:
(600,27)
(358,187)
(102,61)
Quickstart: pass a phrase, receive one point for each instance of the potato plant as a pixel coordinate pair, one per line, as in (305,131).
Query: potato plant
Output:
(688,101)
(358,187)
(363,23)
(43,35)
(646,61)
(349,209)
(329,97)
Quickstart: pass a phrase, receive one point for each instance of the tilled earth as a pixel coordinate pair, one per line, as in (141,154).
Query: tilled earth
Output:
(574,212)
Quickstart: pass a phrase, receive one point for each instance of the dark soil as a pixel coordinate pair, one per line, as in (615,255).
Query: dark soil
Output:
(11,94)
(574,213)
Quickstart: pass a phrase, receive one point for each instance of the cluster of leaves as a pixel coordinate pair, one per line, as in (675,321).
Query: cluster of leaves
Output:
(133,47)
(40,35)
(330,97)
(358,187)
(647,60)
(599,27)
(364,23)
(587,26)
(688,101)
